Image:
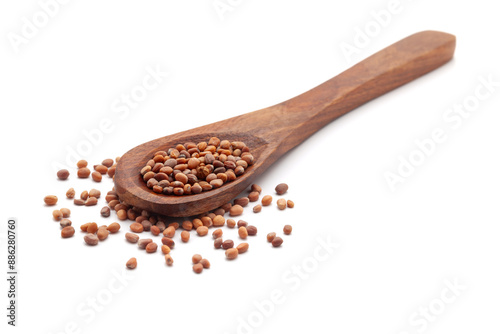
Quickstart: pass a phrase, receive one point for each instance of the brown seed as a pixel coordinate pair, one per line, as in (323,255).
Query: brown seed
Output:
(217,233)
(257,208)
(94,193)
(167,241)
(281,204)
(242,223)
(50,200)
(70,193)
(242,248)
(217,243)
(218,221)
(205,263)
(131,237)
(96,176)
(231,223)
(169,260)
(196,258)
(242,232)
(111,171)
(256,188)
(81,164)
(219,212)
(155,230)
(57,214)
(271,236)
(65,212)
(287,229)
(84,227)
(207,221)
(267,200)
(113,227)
(122,214)
(102,233)
(132,263)
(187,225)
(202,231)
(236,210)
(290,204)
(63,174)
(227,244)
(91,201)
(165,249)
(84,195)
(107,162)
(91,239)
(136,227)
(185,236)
(231,253)
(197,223)
(67,232)
(242,201)
(253,196)
(252,230)
(101,169)
(142,243)
(78,201)
(277,242)
(83,173)
(65,222)
(198,268)
(92,228)
(281,188)
(105,211)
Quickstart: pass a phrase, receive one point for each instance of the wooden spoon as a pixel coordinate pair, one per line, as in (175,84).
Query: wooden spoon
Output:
(273,131)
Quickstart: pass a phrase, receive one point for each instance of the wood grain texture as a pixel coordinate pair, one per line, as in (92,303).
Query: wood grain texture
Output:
(271,132)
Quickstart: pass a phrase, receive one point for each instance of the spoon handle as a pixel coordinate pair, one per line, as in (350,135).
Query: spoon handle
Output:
(291,122)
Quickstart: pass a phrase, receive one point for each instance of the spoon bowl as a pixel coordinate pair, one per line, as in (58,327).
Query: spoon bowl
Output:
(271,132)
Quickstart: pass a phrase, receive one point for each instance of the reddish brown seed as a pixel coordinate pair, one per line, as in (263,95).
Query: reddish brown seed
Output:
(236,210)
(169,260)
(197,223)
(132,263)
(50,200)
(167,241)
(281,188)
(185,235)
(242,201)
(256,188)
(67,232)
(290,204)
(70,193)
(94,193)
(83,173)
(217,233)
(65,222)
(242,248)
(169,232)
(198,268)
(143,243)
(111,171)
(231,253)
(102,233)
(96,176)
(131,237)
(105,211)
(78,201)
(242,223)
(91,239)
(227,244)
(84,227)
(219,212)
(287,229)
(113,227)
(217,243)
(101,169)
(92,228)
(253,196)
(165,249)
(252,230)
(218,221)
(271,236)
(205,263)
(206,221)
(202,231)
(107,162)
(267,200)
(277,241)
(257,208)
(122,214)
(281,203)
(57,214)
(63,174)
(196,258)
(155,230)
(84,195)
(242,232)
(81,164)
(231,223)
(187,225)
(136,227)
(91,201)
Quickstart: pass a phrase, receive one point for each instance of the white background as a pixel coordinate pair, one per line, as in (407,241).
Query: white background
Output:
(397,249)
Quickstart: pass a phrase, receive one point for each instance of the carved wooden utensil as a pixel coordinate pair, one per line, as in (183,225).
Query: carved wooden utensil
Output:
(271,132)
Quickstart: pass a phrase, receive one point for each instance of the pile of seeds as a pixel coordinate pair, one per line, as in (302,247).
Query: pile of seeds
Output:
(144,221)
(192,168)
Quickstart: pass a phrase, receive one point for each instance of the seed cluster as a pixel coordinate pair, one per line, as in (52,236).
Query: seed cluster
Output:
(193,168)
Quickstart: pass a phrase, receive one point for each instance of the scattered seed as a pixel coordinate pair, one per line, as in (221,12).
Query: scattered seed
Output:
(96,176)
(287,229)
(271,236)
(131,237)
(202,231)
(231,253)
(242,201)
(122,215)
(136,227)
(205,263)
(113,227)
(217,243)
(236,210)
(78,201)
(63,174)
(57,214)
(94,193)
(257,208)
(102,233)
(67,232)
(169,232)
(290,204)
(169,260)
(231,223)
(281,188)
(50,200)
(81,164)
(252,230)
(281,203)
(92,228)
(65,222)
(256,188)
(242,223)
(277,241)
(143,243)
(83,173)
(132,263)
(105,211)
(242,232)
(267,200)
(91,201)
(227,244)
(91,239)
(198,268)
(217,233)
(242,248)
(107,162)
(253,196)
(196,258)
(218,221)
(65,212)
(167,241)
(70,193)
